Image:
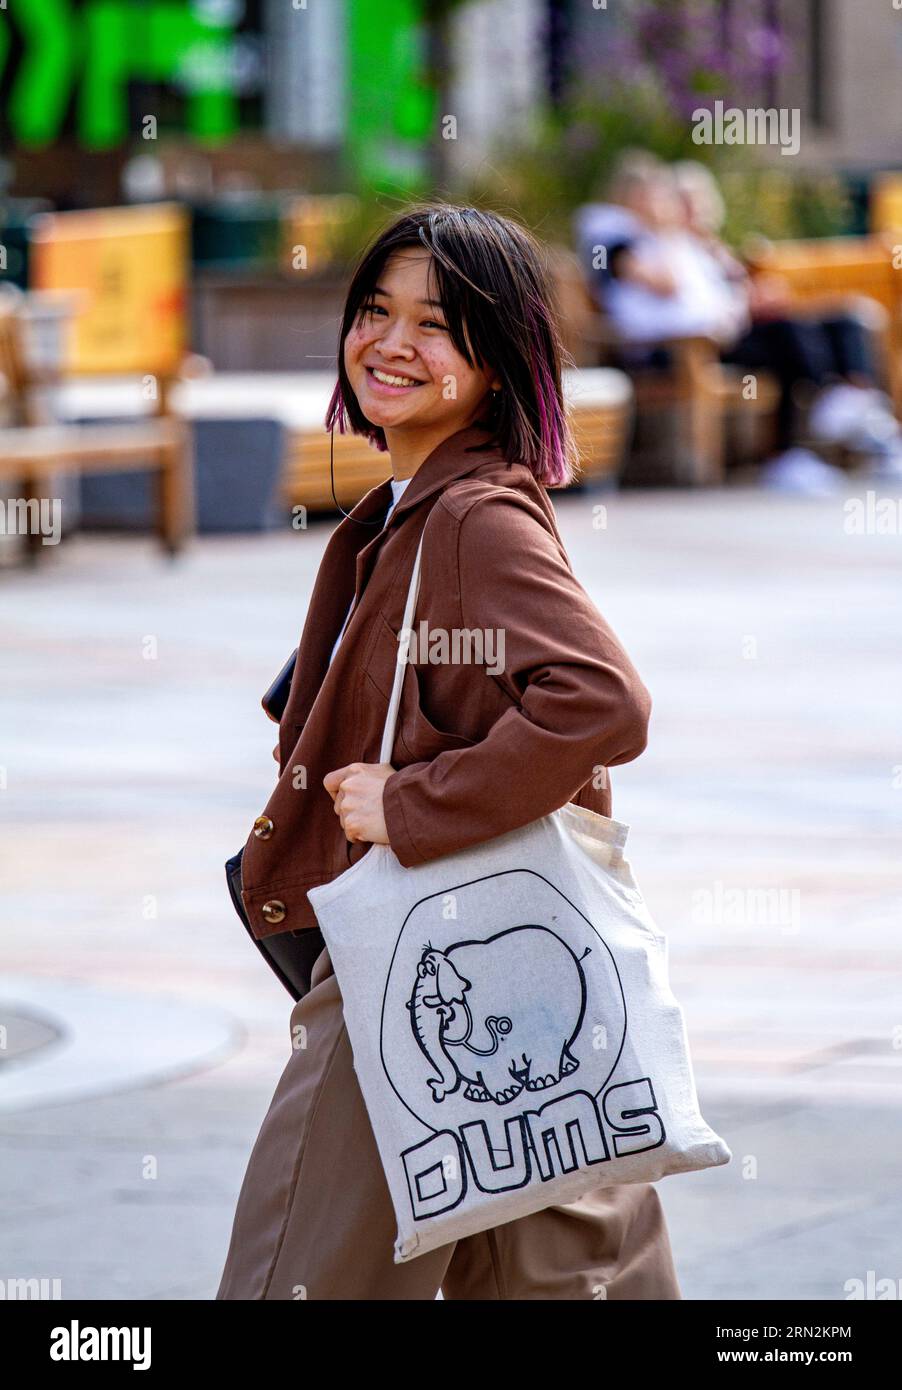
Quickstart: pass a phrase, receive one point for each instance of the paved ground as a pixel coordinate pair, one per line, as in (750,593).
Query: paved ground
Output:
(150,1036)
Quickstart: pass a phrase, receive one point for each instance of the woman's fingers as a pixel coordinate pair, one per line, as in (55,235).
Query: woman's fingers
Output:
(340,811)
(347,813)
(352,791)
(333,780)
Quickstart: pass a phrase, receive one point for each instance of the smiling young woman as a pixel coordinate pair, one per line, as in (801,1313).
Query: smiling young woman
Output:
(450,361)
(407,376)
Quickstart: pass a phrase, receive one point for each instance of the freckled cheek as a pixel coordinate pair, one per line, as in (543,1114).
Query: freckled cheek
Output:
(357,341)
(440,366)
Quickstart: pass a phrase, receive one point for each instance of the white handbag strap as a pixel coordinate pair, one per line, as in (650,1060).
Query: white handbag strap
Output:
(391,717)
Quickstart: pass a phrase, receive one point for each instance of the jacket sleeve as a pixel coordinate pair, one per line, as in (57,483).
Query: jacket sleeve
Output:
(578,703)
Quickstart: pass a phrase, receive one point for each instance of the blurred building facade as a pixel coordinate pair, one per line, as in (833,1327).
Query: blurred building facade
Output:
(344,84)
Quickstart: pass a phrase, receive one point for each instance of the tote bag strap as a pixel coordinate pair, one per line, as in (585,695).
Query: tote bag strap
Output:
(391,717)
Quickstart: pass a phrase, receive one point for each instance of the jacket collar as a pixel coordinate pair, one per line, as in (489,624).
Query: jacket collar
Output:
(353,550)
(447,462)
(371,506)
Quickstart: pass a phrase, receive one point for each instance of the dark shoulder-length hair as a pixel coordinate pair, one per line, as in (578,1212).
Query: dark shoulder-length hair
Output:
(490,277)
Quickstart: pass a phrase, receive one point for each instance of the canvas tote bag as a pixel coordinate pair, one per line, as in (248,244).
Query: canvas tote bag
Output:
(514,1034)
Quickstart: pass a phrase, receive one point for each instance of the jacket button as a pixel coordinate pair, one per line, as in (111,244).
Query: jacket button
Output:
(273,911)
(263,827)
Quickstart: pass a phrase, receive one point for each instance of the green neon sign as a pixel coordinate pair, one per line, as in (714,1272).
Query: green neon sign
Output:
(391,110)
(96,50)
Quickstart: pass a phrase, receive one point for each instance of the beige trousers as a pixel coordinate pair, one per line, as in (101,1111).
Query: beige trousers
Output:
(314,1217)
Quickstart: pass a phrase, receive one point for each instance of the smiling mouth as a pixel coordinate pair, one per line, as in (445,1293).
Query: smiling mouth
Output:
(391,379)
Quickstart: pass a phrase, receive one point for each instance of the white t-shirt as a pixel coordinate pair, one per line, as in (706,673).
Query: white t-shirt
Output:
(397,489)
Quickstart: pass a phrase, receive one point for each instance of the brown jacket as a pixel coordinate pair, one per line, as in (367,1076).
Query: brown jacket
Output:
(477,753)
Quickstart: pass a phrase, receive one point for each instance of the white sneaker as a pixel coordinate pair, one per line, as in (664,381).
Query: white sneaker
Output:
(802,472)
(859,417)
(878,433)
(885,466)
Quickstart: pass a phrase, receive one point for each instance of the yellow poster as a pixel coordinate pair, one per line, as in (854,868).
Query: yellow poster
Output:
(131,267)
(886,203)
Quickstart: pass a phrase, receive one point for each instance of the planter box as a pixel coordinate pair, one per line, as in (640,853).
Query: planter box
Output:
(238,467)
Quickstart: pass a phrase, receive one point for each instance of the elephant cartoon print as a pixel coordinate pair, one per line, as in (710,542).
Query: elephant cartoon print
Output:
(499,1015)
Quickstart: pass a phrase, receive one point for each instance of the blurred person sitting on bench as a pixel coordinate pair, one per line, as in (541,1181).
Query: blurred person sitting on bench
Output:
(659,269)
(830,354)
(645,268)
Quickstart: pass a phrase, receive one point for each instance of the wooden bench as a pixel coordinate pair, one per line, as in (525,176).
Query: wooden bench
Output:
(700,390)
(600,403)
(828,274)
(600,407)
(32,454)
